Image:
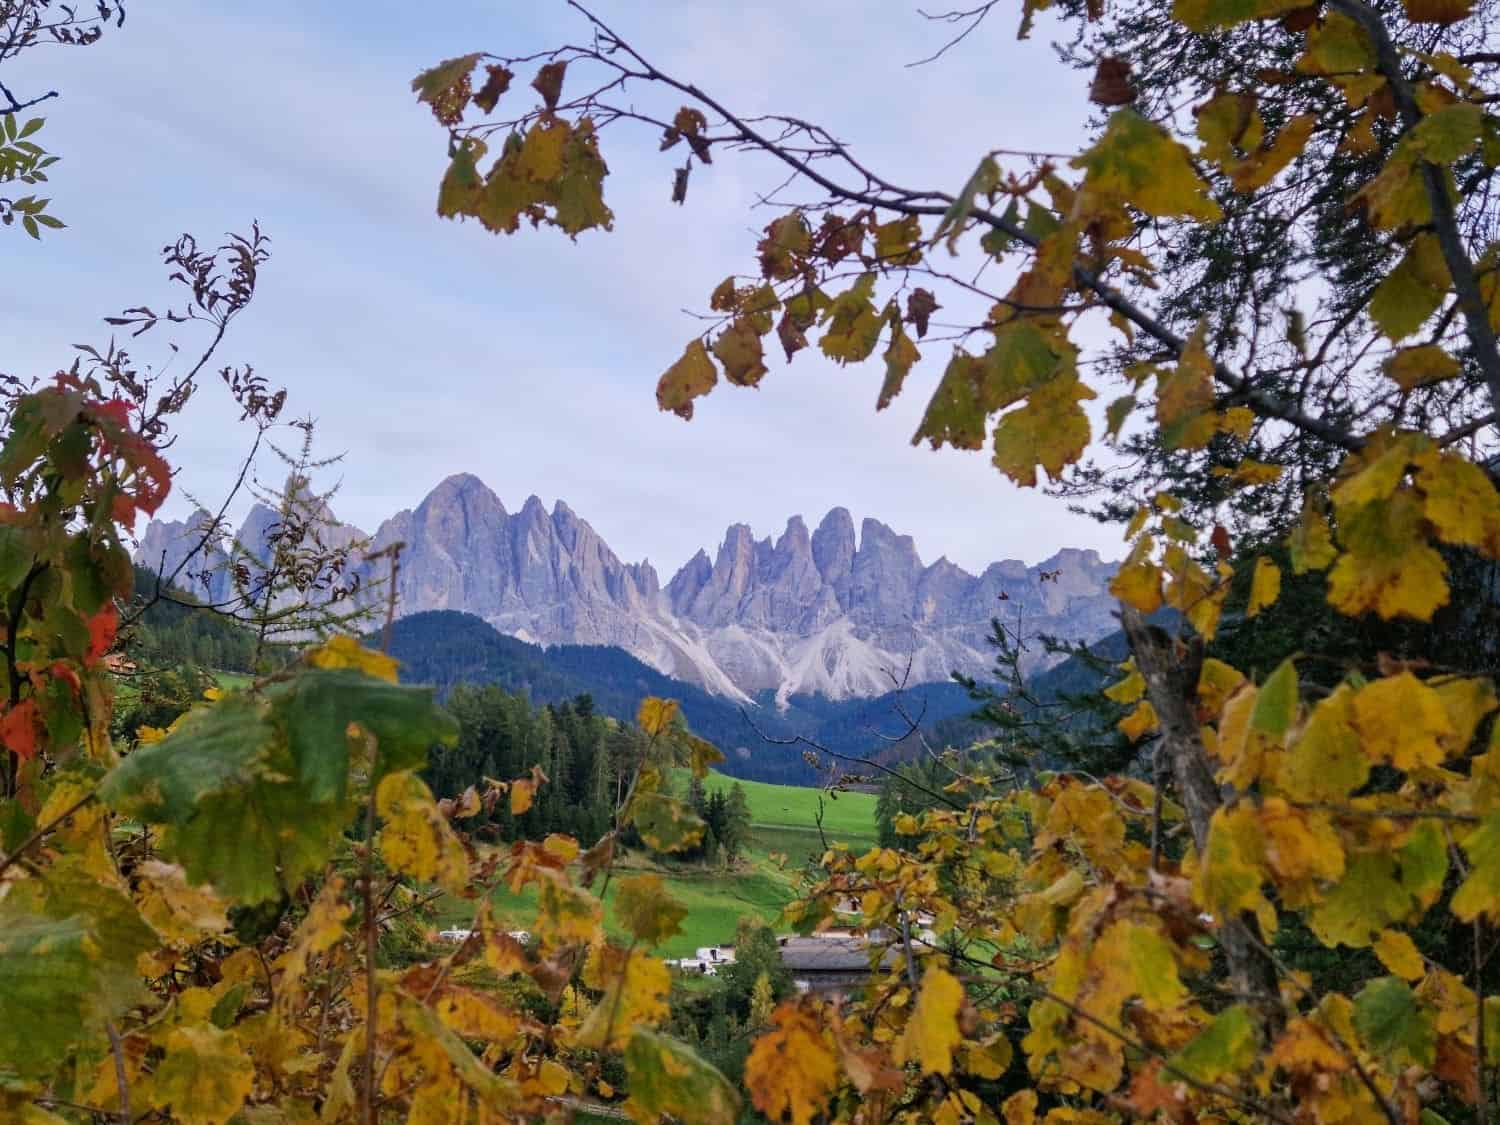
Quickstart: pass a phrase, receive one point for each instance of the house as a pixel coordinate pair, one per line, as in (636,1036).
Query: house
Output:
(694,966)
(831,962)
(716,954)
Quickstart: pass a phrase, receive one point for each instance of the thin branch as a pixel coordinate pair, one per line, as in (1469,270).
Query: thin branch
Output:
(26,844)
(1444,217)
(975,16)
(122,1080)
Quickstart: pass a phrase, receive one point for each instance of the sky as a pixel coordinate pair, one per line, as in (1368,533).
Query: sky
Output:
(425,347)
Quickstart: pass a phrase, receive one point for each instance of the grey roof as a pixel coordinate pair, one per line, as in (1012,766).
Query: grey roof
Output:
(829,954)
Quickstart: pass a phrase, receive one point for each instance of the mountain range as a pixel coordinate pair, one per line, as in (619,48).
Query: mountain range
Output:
(822,612)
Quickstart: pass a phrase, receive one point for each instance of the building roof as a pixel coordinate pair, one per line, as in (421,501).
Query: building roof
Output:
(829,954)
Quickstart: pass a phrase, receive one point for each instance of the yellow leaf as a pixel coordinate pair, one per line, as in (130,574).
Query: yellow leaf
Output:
(416,838)
(1206,15)
(1386,566)
(181,913)
(738,348)
(989,1059)
(1129,690)
(1327,761)
(1401,721)
(1020,1108)
(1399,954)
(690,377)
(1311,542)
(566,915)
(320,931)
(1336,45)
(1461,501)
(635,987)
(204,1076)
(1138,581)
(1140,722)
(932,1030)
(1217,681)
(900,355)
(475,1015)
(1301,848)
(1252,472)
(1051,430)
(655,716)
(1412,292)
(1185,397)
(1467,702)
(523,791)
(346,652)
(1137,162)
(1411,368)
(792,1069)
(1265,586)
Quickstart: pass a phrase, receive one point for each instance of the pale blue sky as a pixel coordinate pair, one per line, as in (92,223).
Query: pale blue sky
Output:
(426,348)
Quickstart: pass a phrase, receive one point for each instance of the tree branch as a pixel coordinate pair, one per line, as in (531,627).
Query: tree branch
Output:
(1171,677)
(1444,217)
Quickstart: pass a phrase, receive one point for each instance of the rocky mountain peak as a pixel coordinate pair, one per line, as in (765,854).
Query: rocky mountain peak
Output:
(827,612)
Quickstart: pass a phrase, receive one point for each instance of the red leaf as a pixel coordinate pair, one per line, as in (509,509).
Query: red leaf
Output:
(102,628)
(18,729)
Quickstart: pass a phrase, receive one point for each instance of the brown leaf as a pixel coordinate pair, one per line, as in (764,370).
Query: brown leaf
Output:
(680,183)
(548,82)
(1438,11)
(920,306)
(1300,19)
(497,82)
(1220,540)
(1112,85)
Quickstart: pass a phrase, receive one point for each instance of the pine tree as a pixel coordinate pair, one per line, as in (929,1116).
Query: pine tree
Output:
(735,833)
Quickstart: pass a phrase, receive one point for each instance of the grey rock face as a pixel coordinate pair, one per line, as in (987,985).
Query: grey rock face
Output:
(825,612)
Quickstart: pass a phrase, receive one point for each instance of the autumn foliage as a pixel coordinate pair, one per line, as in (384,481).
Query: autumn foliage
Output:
(1290,916)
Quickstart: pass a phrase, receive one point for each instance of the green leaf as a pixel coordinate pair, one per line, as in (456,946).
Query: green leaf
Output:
(47,978)
(316,708)
(433,85)
(986,179)
(1276,702)
(1364,902)
(670,1078)
(852,326)
(254,791)
(1206,15)
(67,963)
(1226,1045)
(1443,137)
(665,823)
(642,905)
(1390,1020)
(1480,892)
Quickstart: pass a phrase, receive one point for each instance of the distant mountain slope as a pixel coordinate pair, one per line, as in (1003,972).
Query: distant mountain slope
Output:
(445,649)
(827,611)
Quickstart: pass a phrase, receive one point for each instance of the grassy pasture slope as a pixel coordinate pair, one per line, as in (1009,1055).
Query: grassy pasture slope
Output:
(783,818)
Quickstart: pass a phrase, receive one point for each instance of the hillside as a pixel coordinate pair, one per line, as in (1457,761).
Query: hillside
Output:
(446,648)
